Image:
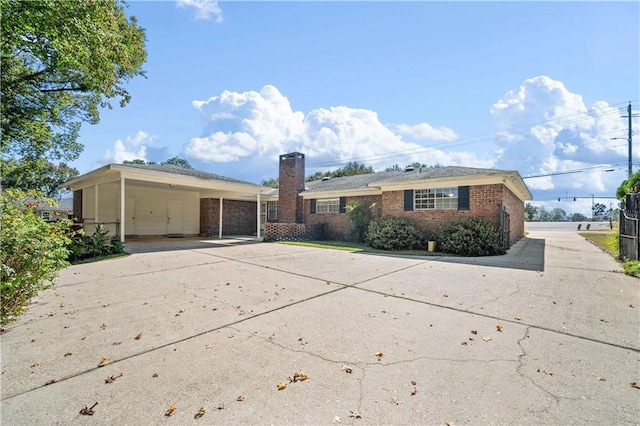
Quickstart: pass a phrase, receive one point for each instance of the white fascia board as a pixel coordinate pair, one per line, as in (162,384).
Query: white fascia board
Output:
(358,192)
(190,181)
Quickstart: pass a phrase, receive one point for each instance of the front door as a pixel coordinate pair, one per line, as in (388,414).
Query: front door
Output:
(130,216)
(174,217)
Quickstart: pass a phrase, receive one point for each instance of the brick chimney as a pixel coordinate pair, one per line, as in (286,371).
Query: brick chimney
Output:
(291,183)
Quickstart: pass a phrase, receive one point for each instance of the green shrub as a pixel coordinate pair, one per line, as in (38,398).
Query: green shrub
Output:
(32,251)
(393,234)
(473,237)
(632,268)
(357,221)
(97,245)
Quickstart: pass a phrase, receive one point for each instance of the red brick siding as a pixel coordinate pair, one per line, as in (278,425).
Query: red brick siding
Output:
(515,207)
(292,232)
(335,224)
(238,217)
(291,183)
(484,203)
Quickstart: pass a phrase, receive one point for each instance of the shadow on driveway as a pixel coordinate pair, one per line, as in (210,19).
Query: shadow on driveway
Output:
(160,244)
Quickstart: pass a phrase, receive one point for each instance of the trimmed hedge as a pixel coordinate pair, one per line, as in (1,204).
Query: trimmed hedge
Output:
(394,234)
(472,237)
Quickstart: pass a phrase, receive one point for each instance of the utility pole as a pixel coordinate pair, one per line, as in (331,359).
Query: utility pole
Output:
(630,136)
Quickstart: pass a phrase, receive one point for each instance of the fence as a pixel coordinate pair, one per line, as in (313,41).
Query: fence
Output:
(505,227)
(629,227)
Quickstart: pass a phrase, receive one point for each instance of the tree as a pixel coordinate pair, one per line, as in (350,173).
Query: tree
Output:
(599,209)
(576,217)
(178,162)
(61,61)
(629,186)
(351,169)
(543,215)
(137,161)
(530,212)
(557,215)
(271,183)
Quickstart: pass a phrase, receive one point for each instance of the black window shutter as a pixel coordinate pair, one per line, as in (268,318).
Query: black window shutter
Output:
(408,200)
(313,205)
(463,198)
(343,204)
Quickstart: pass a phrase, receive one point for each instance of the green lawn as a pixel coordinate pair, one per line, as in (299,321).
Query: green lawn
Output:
(358,248)
(606,240)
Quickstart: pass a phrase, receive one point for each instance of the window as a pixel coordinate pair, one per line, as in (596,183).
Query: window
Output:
(272,210)
(328,205)
(46,215)
(436,199)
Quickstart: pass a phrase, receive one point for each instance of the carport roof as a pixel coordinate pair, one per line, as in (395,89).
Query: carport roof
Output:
(163,174)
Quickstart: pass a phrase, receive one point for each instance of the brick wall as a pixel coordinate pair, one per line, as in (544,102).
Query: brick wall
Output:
(291,183)
(274,231)
(515,207)
(77,205)
(238,217)
(484,203)
(336,224)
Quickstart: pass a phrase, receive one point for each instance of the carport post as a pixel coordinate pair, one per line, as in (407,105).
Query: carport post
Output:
(220,221)
(122,209)
(258,210)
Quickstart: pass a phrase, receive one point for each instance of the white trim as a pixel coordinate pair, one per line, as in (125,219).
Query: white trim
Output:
(341,193)
(220,221)
(122,209)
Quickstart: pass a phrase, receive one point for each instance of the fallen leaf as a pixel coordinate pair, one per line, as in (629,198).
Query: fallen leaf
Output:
(88,411)
(547,372)
(635,385)
(474,331)
(105,305)
(414,391)
(413,382)
(138,336)
(395,401)
(68,354)
(281,386)
(499,328)
(297,377)
(554,302)
(116,343)
(170,410)
(208,346)
(103,326)
(221,406)
(445,295)
(379,355)
(199,413)
(464,343)
(240,398)
(113,378)
(486,338)
(50,382)
(231,336)
(603,320)
(517,318)
(103,362)
(337,419)
(355,414)
(34,365)
(601,379)
(347,369)
(154,375)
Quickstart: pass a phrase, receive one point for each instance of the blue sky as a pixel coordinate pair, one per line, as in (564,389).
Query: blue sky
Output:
(533,87)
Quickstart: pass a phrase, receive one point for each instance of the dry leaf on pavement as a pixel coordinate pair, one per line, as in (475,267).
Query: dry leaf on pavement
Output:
(88,411)
(240,398)
(138,336)
(499,328)
(281,386)
(347,369)
(170,410)
(379,355)
(200,413)
(103,362)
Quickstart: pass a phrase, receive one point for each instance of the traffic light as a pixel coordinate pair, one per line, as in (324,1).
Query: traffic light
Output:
(574,198)
(558,198)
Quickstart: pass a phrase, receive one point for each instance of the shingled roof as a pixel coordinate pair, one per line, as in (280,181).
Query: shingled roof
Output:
(168,168)
(371,179)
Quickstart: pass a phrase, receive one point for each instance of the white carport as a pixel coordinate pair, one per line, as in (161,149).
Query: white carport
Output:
(156,199)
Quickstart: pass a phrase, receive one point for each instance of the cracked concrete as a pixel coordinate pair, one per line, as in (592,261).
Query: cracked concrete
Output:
(544,335)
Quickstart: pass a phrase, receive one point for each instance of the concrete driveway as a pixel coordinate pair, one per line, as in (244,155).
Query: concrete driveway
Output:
(547,334)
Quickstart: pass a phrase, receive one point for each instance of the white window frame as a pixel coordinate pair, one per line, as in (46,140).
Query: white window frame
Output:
(328,205)
(435,199)
(272,210)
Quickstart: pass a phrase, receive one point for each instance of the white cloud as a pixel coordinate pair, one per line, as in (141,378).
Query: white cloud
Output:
(261,125)
(133,147)
(204,9)
(544,129)
(425,131)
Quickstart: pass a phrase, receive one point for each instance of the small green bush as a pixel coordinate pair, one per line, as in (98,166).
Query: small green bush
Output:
(394,234)
(358,222)
(97,245)
(32,251)
(473,237)
(632,268)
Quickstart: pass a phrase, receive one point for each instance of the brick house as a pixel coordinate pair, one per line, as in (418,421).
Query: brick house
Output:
(168,200)
(425,197)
